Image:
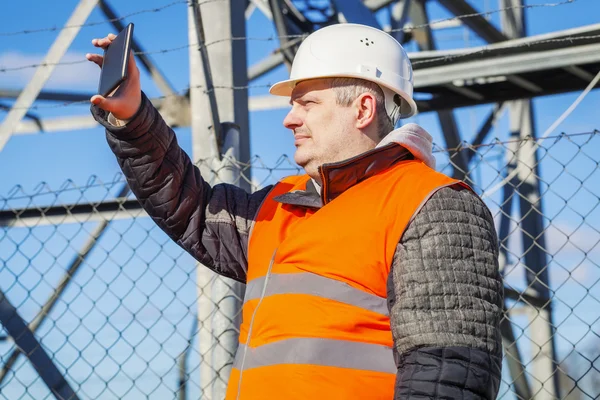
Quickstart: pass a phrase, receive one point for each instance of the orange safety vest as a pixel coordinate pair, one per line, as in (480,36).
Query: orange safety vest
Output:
(315,321)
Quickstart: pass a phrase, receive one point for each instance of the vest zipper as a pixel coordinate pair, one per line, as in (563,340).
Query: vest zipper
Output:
(262,295)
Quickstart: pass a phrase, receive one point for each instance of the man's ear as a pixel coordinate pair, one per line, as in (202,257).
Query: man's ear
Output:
(366,110)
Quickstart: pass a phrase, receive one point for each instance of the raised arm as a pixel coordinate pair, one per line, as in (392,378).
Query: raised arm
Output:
(211,223)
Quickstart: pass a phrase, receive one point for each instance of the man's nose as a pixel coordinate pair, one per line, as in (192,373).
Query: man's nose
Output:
(292,120)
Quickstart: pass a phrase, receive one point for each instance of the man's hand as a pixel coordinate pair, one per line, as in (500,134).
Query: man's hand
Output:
(126,100)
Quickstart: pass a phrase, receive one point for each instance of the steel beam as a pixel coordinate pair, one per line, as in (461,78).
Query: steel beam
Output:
(468,72)
(524,83)
(544,382)
(526,184)
(227,20)
(477,23)
(491,34)
(265,65)
(58,124)
(271,62)
(466,92)
(34,119)
(468,95)
(214,129)
(249,10)
(376,5)
(458,156)
(452,101)
(527,298)
(530,54)
(71,213)
(486,31)
(182,364)
(30,347)
(204,147)
(263,6)
(283,28)
(161,81)
(563,39)
(63,124)
(423,35)
(424,38)
(486,128)
(68,97)
(229,60)
(399,15)
(580,73)
(499,60)
(48,95)
(513,358)
(43,72)
(63,217)
(355,11)
(268,102)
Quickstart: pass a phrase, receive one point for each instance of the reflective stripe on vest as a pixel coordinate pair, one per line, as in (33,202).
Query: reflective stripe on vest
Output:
(315,285)
(319,351)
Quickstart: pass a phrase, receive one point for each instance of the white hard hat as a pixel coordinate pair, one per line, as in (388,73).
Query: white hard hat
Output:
(355,51)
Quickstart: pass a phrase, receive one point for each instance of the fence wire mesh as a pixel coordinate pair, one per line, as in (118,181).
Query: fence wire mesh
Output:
(121,311)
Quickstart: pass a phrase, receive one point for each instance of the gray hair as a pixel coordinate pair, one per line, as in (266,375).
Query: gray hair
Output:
(348,89)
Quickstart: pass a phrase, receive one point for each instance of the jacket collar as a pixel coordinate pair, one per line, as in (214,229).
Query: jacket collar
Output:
(338,177)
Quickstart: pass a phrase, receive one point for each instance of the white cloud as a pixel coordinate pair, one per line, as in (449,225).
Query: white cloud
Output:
(78,76)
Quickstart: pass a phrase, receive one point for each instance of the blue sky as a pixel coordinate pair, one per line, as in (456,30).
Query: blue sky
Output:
(158,268)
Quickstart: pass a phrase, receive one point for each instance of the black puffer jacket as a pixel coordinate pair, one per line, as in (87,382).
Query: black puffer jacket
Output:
(444,289)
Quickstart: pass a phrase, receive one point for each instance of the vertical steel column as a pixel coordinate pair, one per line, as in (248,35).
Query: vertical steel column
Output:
(205,152)
(220,299)
(512,354)
(544,382)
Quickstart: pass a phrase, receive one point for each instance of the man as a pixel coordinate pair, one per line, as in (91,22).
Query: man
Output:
(370,277)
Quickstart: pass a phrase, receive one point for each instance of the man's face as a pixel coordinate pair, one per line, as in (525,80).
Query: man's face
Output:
(323,130)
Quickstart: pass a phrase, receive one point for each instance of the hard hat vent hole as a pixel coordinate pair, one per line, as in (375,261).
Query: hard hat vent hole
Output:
(366,41)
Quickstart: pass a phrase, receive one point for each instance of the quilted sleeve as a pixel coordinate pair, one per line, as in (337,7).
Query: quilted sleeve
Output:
(445,298)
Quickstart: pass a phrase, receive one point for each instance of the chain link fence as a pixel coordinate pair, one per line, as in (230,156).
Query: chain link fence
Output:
(115,309)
